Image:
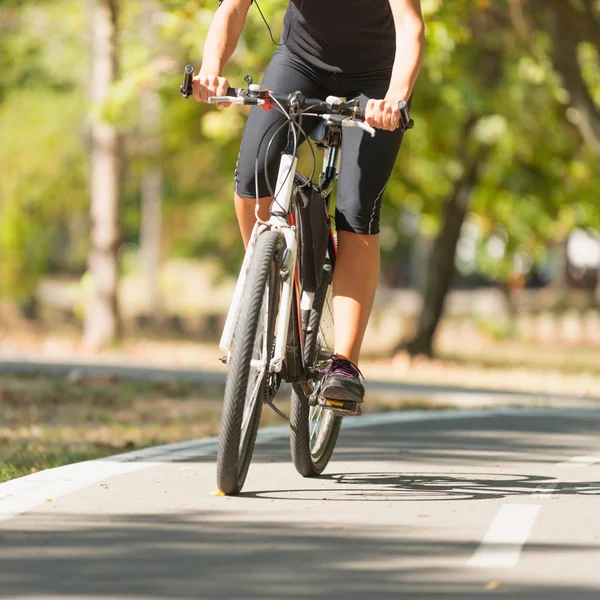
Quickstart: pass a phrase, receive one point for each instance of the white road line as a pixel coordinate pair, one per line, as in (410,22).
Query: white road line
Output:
(504,540)
(581,461)
(23,494)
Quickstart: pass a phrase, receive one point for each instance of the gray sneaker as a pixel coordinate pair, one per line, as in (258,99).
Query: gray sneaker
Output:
(340,388)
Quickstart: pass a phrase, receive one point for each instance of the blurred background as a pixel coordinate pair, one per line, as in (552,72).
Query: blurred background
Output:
(118,236)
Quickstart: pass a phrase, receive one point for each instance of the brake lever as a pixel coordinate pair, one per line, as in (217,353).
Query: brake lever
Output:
(349,122)
(360,124)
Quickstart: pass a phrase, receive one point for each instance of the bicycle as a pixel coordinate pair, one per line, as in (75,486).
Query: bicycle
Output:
(280,323)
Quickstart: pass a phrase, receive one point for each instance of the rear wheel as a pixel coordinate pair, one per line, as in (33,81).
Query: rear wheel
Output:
(248,376)
(314,429)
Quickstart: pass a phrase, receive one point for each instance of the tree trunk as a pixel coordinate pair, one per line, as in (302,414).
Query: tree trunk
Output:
(441,268)
(566,38)
(581,99)
(583,19)
(102,324)
(152,179)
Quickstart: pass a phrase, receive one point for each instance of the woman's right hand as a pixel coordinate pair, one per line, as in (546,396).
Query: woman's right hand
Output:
(205,86)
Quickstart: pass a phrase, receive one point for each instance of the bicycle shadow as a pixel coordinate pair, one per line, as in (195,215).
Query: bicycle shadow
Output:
(431,487)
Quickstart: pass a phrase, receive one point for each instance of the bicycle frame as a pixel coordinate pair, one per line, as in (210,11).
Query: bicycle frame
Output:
(282,203)
(282,200)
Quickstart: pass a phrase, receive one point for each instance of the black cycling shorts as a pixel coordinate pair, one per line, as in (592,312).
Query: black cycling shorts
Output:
(366,163)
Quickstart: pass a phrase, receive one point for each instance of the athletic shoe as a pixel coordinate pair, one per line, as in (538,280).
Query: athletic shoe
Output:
(340,388)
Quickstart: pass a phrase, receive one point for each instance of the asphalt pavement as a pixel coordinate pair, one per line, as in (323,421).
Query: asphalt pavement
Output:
(445,505)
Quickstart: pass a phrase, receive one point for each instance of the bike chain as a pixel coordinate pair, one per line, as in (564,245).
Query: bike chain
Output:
(272,387)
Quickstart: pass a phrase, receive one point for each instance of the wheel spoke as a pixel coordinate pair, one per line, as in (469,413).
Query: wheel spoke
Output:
(315,416)
(315,428)
(251,402)
(320,419)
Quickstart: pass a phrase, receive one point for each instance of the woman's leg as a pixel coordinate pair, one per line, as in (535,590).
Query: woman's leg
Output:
(245,209)
(354,284)
(366,167)
(285,74)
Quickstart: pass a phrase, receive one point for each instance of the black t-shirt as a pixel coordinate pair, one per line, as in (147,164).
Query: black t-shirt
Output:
(344,36)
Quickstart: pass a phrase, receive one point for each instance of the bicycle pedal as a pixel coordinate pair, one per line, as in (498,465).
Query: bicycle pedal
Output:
(341,408)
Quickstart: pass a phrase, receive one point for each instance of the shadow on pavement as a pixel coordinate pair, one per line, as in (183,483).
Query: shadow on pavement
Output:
(473,442)
(201,555)
(430,487)
(227,554)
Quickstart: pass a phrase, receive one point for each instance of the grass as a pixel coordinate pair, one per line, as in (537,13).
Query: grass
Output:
(48,422)
(51,421)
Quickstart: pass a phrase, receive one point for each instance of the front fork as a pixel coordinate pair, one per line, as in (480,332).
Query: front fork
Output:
(279,209)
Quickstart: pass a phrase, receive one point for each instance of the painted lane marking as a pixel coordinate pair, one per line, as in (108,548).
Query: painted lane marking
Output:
(504,540)
(23,494)
(581,461)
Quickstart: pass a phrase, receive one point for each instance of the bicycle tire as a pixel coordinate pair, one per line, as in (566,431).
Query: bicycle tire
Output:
(312,462)
(235,448)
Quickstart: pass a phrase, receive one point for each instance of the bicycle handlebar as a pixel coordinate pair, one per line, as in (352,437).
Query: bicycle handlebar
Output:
(333,107)
(405,119)
(188,77)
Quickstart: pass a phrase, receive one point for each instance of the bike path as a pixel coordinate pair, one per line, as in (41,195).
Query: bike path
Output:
(446,505)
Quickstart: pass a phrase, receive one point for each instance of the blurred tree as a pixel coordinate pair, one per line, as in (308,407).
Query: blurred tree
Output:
(571,25)
(102,324)
(471,155)
(509,156)
(152,177)
(42,166)
(524,194)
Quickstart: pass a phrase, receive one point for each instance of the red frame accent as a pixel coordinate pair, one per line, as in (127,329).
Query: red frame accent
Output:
(331,237)
(268,105)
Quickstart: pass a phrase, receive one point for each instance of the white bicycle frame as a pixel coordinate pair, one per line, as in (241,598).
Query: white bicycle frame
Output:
(282,198)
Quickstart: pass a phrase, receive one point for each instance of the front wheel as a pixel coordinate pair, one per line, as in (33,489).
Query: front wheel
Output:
(314,429)
(248,376)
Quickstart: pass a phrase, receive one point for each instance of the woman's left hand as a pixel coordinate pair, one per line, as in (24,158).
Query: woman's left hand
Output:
(383,114)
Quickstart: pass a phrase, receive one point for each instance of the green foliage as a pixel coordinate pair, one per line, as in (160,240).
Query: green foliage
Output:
(42,186)
(539,180)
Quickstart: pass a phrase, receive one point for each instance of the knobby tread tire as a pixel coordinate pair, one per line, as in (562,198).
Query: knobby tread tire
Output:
(232,468)
(299,413)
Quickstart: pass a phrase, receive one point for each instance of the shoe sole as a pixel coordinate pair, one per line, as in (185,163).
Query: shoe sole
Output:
(341,394)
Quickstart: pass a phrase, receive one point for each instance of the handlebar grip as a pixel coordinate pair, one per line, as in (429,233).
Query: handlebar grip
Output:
(188,77)
(407,122)
(186,86)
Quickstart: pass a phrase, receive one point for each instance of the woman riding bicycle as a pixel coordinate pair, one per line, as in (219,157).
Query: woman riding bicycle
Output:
(367,48)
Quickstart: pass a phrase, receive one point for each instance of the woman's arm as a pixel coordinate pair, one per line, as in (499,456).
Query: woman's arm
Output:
(410,47)
(221,41)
